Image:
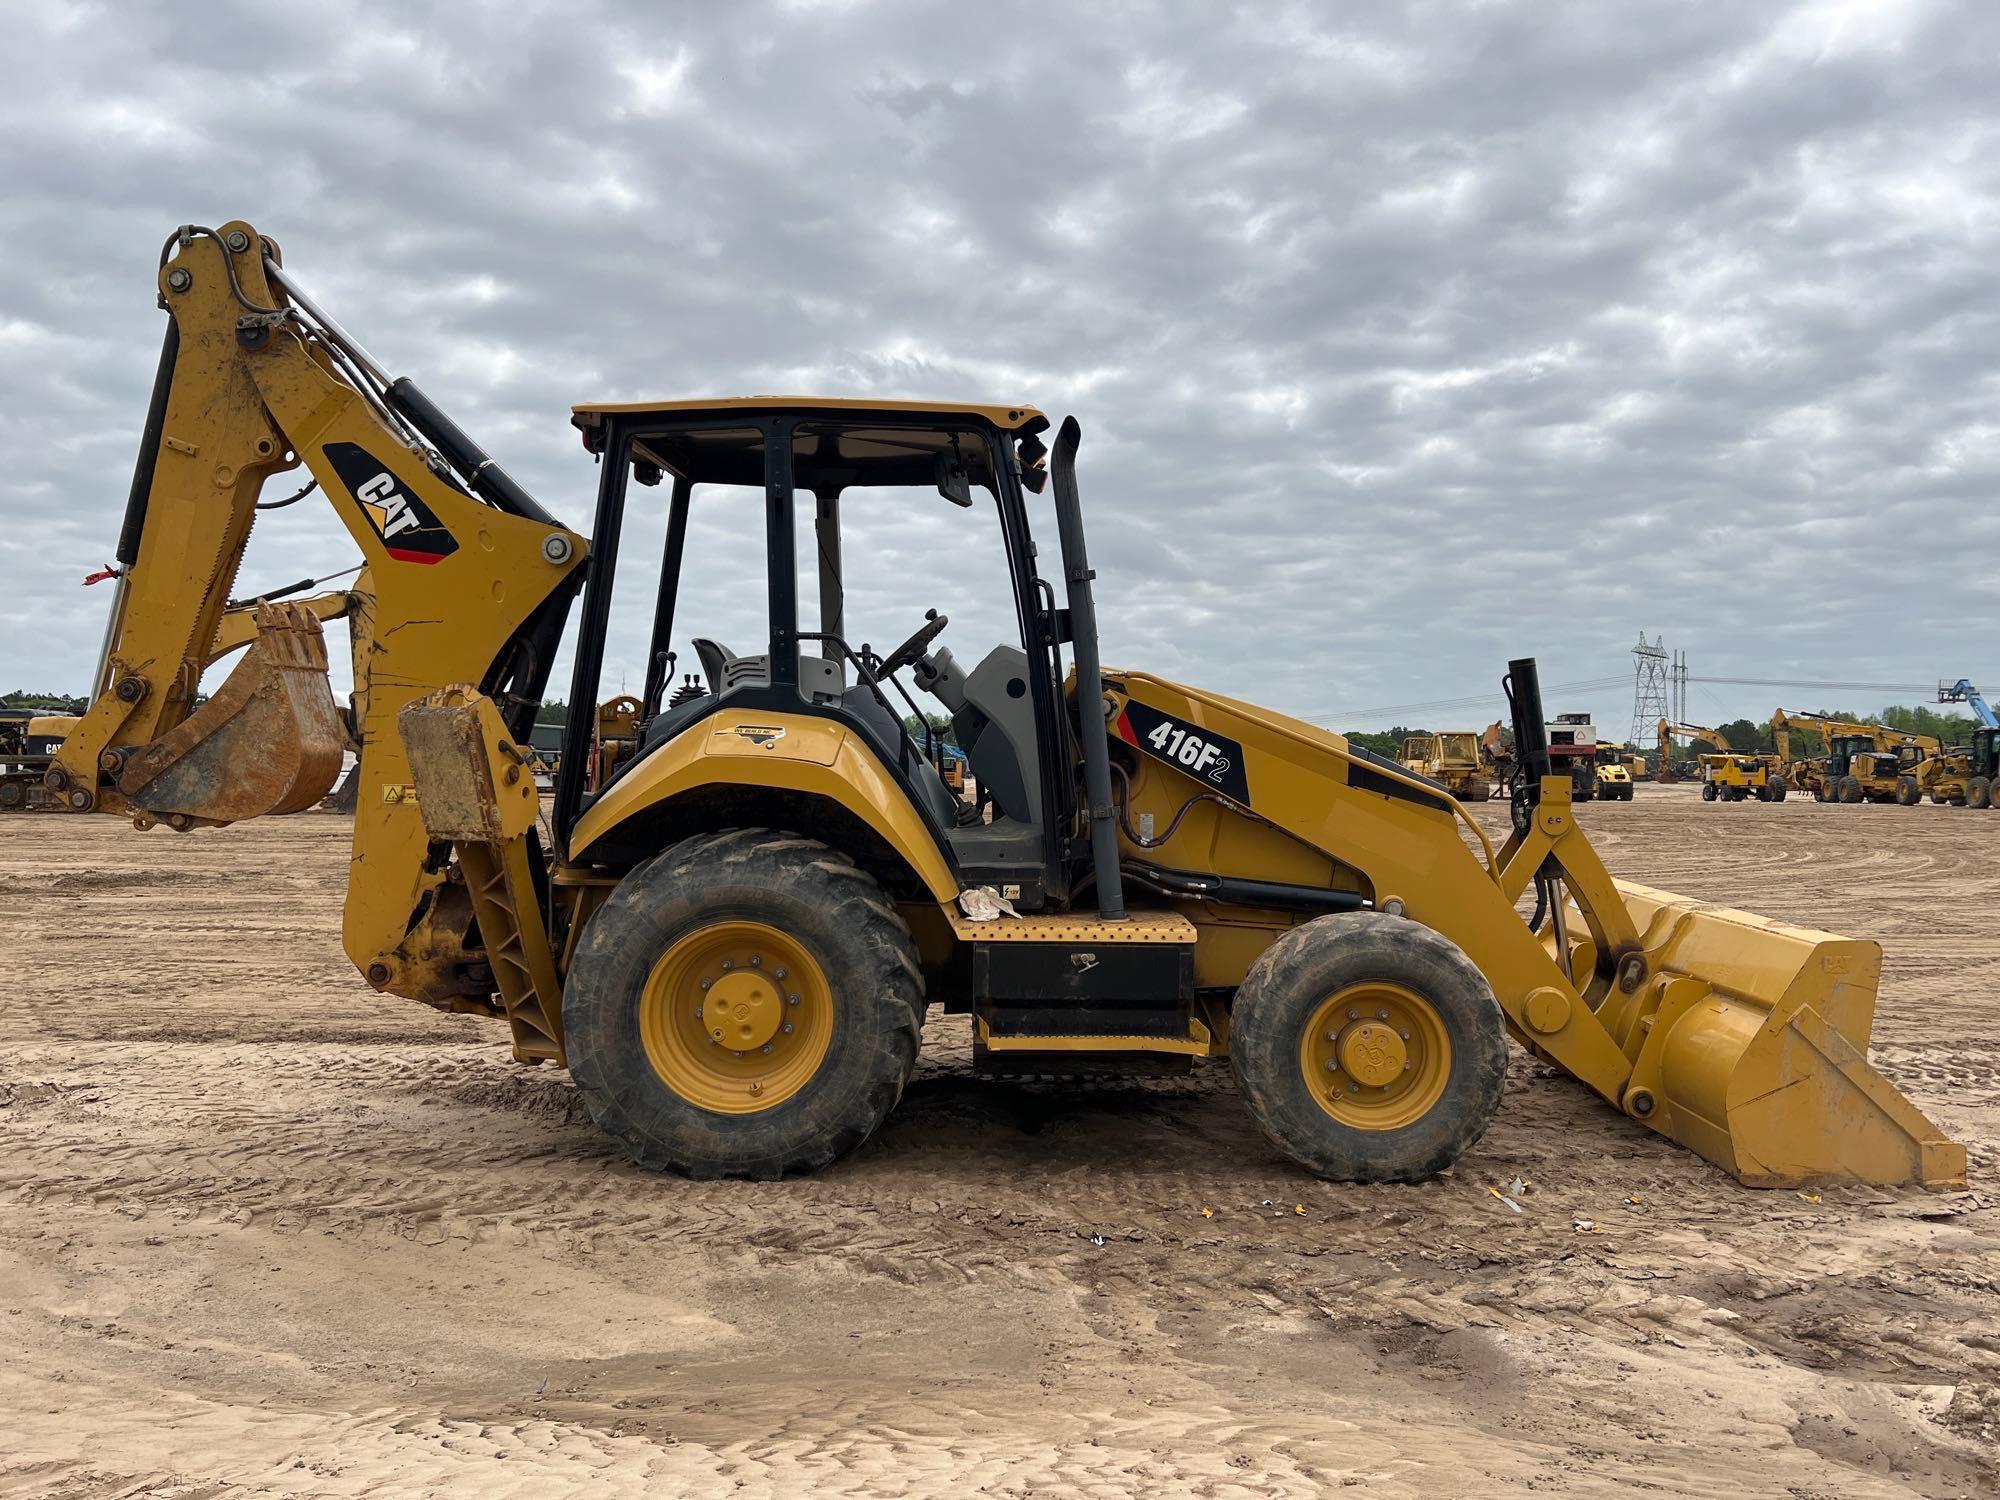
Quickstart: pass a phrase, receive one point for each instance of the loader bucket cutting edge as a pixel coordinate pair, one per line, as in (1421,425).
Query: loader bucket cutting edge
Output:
(1749,1044)
(269,740)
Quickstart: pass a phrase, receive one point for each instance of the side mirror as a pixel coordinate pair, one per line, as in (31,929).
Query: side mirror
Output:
(1033,454)
(951,480)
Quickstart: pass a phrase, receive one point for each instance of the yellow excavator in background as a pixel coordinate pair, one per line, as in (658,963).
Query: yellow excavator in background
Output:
(731,920)
(1726,775)
(1863,762)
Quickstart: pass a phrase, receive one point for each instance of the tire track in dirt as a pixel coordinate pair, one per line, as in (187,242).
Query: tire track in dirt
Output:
(263,1216)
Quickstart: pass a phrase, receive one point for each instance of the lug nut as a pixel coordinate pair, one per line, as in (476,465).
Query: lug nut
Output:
(756,960)
(779,972)
(1381,1015)
(739,1054)
(791,999)
(729,963)
(1354,1015)
(1404,1034)
(706,983)
(786,1028)
(766,1049)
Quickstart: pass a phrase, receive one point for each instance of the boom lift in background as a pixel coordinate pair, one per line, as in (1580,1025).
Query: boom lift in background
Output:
(730,922)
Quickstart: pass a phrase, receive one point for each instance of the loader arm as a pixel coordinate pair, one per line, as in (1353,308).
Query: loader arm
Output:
(1741,1038)
(466,580)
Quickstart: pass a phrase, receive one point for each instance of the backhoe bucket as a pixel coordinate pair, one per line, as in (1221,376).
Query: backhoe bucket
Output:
(269,741)
(1749,1044)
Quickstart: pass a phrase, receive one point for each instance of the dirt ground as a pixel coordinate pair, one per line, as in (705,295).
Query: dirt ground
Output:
(268,1233)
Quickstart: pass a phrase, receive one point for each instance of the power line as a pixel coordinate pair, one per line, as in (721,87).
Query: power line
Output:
(1849,687)
(1392,710)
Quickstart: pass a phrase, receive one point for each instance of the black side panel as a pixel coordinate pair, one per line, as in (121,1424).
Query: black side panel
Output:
(1363,779)
(1076,989)
(149,447)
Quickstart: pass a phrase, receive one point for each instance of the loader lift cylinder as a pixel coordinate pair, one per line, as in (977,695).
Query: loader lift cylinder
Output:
(1089,674)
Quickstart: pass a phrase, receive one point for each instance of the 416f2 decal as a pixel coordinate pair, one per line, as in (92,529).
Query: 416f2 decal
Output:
(1212,758)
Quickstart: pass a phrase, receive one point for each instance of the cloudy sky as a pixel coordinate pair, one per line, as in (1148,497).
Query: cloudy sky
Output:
(1405,338)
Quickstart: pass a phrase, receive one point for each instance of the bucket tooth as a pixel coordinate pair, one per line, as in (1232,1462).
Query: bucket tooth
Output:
(1749,1046)
(269,741)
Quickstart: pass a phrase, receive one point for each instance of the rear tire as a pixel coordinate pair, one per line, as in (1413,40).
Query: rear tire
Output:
(1908,793)
(1369,1048)
(1848,789)
(1779,789)
(705,933)
(1979,792)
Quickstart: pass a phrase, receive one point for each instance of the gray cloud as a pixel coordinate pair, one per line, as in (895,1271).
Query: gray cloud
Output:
(1405,339)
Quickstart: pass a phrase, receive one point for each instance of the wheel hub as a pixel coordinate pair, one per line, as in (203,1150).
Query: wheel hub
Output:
(1375,1056)
(743,1010)
(1371,1053)
(736,1017)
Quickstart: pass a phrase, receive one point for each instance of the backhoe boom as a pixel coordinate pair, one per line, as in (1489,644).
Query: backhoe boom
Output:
(253,381)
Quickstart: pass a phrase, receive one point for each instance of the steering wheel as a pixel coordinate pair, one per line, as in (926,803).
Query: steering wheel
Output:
(907,653)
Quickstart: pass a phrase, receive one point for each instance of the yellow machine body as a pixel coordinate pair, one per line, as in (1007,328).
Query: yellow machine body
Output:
(1743,1039)
(1452,757)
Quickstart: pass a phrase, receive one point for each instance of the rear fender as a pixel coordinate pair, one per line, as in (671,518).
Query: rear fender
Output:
(793,754)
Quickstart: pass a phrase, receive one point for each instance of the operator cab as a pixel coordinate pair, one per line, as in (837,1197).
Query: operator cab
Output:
(754,469)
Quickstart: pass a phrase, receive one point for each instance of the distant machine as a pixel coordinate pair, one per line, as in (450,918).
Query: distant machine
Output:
(1573,753)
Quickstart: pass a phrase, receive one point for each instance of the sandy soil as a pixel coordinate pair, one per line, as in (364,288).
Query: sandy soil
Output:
(267,1233)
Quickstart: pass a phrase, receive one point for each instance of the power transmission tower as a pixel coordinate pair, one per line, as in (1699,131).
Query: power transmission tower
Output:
(1649,687)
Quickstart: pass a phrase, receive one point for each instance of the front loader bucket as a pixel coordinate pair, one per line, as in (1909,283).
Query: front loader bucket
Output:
(1749,1045)
(269,741)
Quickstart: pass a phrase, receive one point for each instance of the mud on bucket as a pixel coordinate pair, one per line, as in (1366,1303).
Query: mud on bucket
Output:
(269,741)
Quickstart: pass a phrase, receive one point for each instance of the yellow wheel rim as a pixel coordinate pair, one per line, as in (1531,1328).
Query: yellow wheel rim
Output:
(736,1017)
(1375,1056)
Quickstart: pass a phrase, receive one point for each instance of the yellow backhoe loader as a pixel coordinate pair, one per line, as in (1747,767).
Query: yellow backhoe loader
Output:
(1863,762)
(1726,774)
(732,919)
(1453,758)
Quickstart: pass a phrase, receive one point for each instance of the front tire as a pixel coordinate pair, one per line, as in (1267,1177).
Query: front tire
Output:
(1849,789)
(1708,791)
(1369,1048)
(1908,793)
(745,1004)
(1979,792)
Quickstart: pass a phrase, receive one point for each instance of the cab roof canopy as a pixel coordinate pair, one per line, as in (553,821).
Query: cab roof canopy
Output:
(839,448)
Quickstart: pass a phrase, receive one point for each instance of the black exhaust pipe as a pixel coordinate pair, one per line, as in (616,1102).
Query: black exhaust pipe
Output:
(1089,674)
(1523,685)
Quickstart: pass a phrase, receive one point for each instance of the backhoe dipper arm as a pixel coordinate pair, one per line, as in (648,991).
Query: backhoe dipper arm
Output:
(253,380)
